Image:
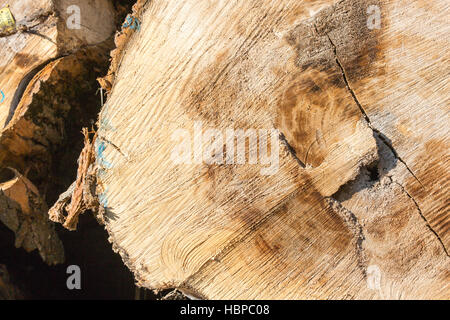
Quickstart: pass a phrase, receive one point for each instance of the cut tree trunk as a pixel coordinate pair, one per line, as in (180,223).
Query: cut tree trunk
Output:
(48,77)
(357,206)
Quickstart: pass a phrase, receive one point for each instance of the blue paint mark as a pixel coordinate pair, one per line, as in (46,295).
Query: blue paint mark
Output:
(100,156)
(3,96)
(132,22)
(103,198)
(100,148)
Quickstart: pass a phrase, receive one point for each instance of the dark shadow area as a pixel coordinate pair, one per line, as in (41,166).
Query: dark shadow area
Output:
(103,274)
(21,89)
(6,174)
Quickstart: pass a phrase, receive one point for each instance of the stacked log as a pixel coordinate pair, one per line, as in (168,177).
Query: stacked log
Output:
(273,149)
(357,206)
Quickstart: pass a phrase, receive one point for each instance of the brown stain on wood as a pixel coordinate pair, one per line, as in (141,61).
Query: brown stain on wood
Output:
(299,234)
(400,264)
(216,95)
(23,60)
(358,47)
(229,186)
(390,225)
(313,114)
(431,197)
(317,109)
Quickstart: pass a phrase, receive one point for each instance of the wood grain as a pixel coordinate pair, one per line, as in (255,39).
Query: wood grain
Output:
(362,179)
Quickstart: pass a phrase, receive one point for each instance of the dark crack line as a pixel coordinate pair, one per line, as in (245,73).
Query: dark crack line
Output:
(43,36)
(387,143)
(423,217)
(366,117)
(344,76)
(394,152)
(291,149)
(114,146)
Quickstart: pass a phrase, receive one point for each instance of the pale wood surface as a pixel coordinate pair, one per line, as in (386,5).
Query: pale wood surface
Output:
(358,208)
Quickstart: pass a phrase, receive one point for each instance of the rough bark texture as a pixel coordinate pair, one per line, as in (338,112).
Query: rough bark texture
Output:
(358,206)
